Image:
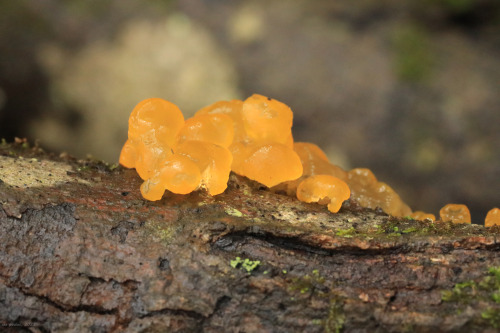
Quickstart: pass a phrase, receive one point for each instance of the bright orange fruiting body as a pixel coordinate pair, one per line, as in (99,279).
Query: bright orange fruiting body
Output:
(321,188)
(271,164)
(492,218)
(213,162)
(179,174)
(266,120)
(419,215)
(455,213)
(214,128)
(371,193)
(252,138)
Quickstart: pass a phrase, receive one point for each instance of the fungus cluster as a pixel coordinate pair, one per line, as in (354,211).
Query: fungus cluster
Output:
(252,138)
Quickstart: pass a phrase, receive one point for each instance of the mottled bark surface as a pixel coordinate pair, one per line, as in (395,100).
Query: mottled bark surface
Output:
(81,251)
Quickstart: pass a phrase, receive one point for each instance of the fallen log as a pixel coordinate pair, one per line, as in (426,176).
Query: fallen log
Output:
(82,251)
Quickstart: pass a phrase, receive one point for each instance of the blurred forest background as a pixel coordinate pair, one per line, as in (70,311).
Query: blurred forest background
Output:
(407,88)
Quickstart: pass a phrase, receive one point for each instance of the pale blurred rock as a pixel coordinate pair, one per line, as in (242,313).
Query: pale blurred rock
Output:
(173,59)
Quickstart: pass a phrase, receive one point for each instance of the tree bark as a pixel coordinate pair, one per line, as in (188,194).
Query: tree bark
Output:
(81,251)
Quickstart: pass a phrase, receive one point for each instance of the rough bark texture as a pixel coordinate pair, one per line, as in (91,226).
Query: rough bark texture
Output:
(81,251)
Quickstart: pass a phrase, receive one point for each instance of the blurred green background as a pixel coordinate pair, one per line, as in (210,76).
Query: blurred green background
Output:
(408,88)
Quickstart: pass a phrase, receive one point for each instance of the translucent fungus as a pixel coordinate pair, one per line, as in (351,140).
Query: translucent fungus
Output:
(271,164)
(252,138)
(150,158)
(213,161)
(231,109)
(179,174)
(214,128)
(492,218)
(128,155)
(240,152)
(419,215)
(324,188)
(386,198)
(153,126)
(159,115)
(315,162)
(369,192)
(455,213)
(362,182)
(266,120)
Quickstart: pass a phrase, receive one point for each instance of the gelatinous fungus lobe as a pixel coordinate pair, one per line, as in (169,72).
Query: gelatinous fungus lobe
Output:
(369,192)
(455,213)
(314,162)
(492,218)
(213,162)
(179,174)
(271,164)
(267,120)
(420,215)
(214,128)
(164,118)
(150,157)
(153,127)
(324,189)
(231,109)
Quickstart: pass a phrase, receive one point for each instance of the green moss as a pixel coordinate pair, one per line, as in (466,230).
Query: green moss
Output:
(410,230)
(113,166)
(492,316)
(308,283)
(347,233)
(336,318)
(461,292)
(486,290)
(246,264)
(233,212)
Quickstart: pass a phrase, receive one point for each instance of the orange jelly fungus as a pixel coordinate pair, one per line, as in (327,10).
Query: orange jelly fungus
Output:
(324,189)
(369,192)
(492,218)
(214,128)
(266,120)
(252,138)
(455,213)
(419,215)
(271,164)
(213,161)
(178,174)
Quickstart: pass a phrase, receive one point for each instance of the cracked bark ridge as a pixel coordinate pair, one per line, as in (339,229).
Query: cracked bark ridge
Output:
(81,251)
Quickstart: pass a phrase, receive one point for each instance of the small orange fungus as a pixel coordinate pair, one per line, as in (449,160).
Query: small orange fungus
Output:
(419,215)
(371,193)
(324,189)
(315,162)
(455,213)
(492,218)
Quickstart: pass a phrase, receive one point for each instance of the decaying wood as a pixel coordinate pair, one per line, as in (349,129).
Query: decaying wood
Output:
(81,251)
